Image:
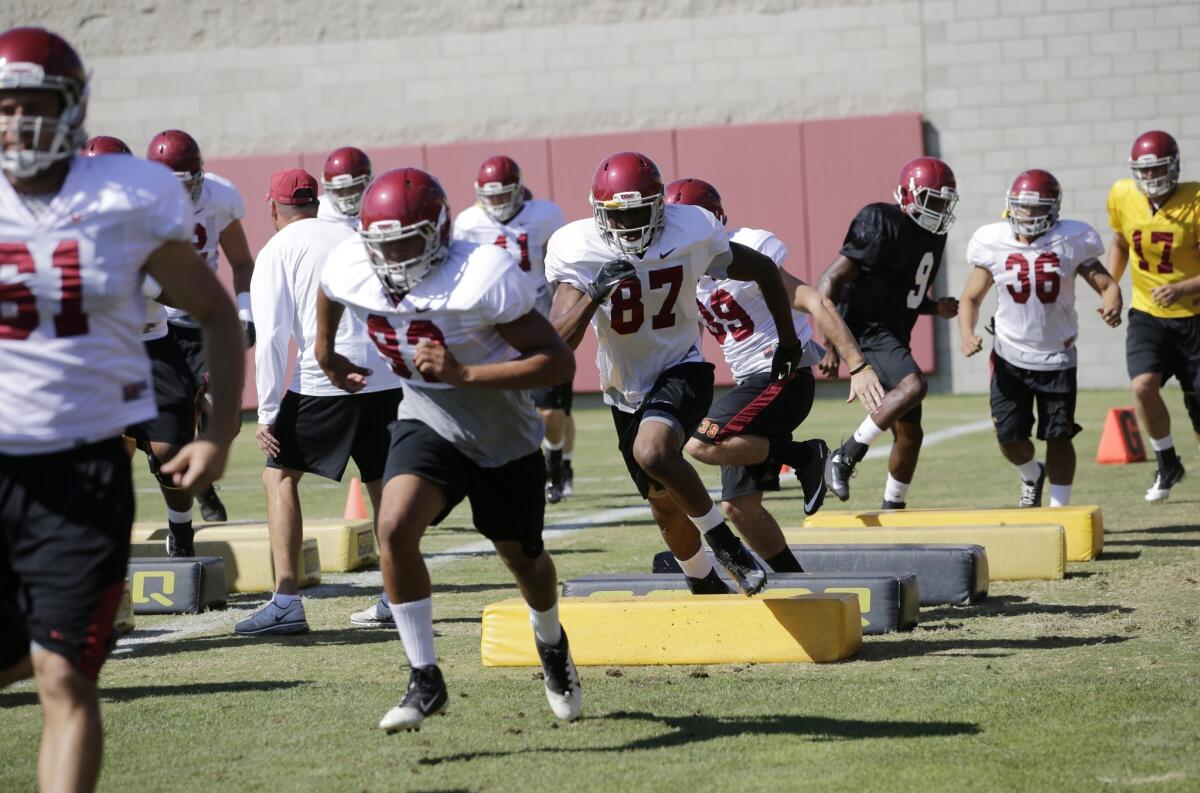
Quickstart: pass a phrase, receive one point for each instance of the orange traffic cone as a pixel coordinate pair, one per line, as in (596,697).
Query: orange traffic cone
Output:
(785,469)
(1121,442)
(356,506)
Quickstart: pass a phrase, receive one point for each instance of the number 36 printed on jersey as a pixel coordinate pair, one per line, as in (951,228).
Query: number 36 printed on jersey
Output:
(19,316)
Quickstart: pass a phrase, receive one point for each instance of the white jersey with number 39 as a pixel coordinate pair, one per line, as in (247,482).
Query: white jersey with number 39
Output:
(73,369)
(1036,324)
(650,324)
(220,204)
(525,236)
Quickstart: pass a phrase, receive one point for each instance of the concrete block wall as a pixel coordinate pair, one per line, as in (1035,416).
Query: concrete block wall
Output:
(1004,85)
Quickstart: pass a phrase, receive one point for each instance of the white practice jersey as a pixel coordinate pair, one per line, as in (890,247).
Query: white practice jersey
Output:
(220,204)
(650,325)
(525,236)
(73,369)
(736,314)
(327,210)
(459,304)
(283,294)
(1036,324)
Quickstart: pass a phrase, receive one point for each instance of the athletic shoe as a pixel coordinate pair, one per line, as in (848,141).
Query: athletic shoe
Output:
(838,470)
(741,565)
(211,508)
(894,504)
(553,494)
(812,476)
(568,479)
(273,619)
(378,615)
(562,681)
(426,696)
(1166,477)
(177,549)
(1031,492)
(711,584)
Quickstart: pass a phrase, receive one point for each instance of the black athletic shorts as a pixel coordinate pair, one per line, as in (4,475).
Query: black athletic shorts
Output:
(559,397)
(681,394)
(320,434)
(1169,346)
(892,361)
(65,520)
(758,405)
(1014,392)
(175,389)
(191,344)
(508,503)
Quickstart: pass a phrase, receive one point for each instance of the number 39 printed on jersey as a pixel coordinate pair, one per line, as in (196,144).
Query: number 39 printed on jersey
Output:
(388,342)
(18,302)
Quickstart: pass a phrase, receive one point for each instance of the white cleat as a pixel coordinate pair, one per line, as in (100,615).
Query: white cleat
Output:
(426,696)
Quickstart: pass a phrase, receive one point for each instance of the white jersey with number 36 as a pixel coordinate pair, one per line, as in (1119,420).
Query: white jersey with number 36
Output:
(524,235)
(73,369)
(1036,324)
(650,324)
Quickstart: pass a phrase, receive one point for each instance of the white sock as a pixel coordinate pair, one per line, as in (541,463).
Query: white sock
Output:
(713,519)
(283,601)
(179,517)
(1030,471)
(414,620)
(867,432)
(553,447)
(567,456)
(895,490)
(1162,444)
(545,624)
(1060,495)
(698,566)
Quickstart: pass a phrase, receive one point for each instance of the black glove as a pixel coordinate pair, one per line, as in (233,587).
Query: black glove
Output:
(786,361)
(248,330)
(609,278)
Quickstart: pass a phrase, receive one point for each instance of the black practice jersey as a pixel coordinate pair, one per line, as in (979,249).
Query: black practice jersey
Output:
(897,262)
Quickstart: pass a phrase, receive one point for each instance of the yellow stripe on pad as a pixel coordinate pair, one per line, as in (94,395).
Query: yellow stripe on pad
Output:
(1014,553)
(714,629)
(345,544)
(1084,525)
(247,560)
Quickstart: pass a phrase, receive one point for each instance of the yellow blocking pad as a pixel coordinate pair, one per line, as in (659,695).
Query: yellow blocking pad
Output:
(1084,525)
(247,560)
(345,544)
(123,622)
(1014,553)
(714,629)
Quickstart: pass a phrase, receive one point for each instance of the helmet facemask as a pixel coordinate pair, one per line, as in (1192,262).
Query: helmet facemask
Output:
(398,262)
(1023,217)
(629,222)
(23,155)
(1151,184)
(193,183)
(500,202)
(932,210)
(346,192)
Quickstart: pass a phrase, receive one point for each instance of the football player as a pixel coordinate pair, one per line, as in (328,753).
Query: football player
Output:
(748,432)
(459,324)
(630,271)
(217,209)
(880,281)
(503,216)
(1158,218)
(345,177)
(105,144)
(77,236)
(1033,260)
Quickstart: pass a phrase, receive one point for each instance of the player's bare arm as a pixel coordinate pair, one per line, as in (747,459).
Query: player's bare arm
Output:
(571,313)
(750,265)
(829,286)
(545,359)
(979,282)
(1118,257)
(192,286)
(1167,295)
(237,252)
(1111,301)
(340,370)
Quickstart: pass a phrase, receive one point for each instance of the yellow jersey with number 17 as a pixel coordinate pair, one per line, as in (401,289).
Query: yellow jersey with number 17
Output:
(1164,246)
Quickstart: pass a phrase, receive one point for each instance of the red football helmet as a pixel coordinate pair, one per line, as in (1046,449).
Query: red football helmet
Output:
(179,151)
(627,202)
(105,144)
(405,223)
(347,172)
(926,192)
(33,58)
(1154,161)
(499,188)
(696,192)
(1033,203)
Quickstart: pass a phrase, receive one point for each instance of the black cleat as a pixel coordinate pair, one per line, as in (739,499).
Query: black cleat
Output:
(1167,476)
(568,479)
(838,470)
(1031,492)
(741,565)
(553,494)
(211,508)
(711,584)
(563,691)
(426,696)
(894,504)
(180,547)
(812,477)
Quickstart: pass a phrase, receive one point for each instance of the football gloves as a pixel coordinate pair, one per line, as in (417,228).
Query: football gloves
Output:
(611,275)
(786,361)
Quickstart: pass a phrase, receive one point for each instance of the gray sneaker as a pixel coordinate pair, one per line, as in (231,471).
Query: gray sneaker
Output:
(377,615)
(271,619)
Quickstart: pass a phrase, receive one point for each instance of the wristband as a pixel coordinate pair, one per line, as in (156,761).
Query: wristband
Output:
(862,367)
(243,305)
(151,288)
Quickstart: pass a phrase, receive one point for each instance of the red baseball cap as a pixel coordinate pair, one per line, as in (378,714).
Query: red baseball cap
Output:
(293,186)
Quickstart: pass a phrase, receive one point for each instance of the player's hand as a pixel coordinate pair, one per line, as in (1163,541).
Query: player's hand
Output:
(197,465)
(1166,295)
(866,388)
(971,344)
(1110,310)
(344,374)
(248,332)
(437,364)
(611,275)
(265,435)
(786,360)
(947,307)
(830,363)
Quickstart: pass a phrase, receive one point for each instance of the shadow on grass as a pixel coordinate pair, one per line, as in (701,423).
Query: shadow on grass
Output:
(684,730)
(1015,605)
(342,637)
(129,693)
(1116,556)
(1159,530)
(981,648)
(362,590)
(1156,543)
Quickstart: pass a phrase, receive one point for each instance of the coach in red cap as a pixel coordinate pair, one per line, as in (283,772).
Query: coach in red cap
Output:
(293,187)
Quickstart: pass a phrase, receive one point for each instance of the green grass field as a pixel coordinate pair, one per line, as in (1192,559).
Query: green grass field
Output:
(1081,684)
